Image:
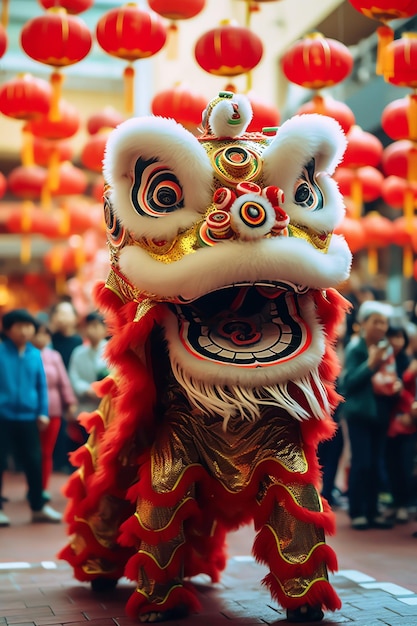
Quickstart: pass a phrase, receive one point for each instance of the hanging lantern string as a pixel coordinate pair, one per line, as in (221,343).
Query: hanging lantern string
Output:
(5,13)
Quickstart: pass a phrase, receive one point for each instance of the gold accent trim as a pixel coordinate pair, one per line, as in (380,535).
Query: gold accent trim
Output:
(164,599)
(315,239)
(158,530)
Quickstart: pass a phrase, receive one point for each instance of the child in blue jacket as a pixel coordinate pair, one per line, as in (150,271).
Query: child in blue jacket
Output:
(23,409)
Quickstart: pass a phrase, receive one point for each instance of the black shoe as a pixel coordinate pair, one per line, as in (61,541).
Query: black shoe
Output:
(305,613)
(101,585)
(381,522)
(360,523)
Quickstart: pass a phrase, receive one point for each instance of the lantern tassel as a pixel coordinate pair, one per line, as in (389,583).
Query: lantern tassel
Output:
(412,166)
(53,170)
(56,82)
(26,225)
(408,261)
(61,284)
(5,13)
(409,209)
(129,79)
(46,199)
(412,116)
(318,101)
(357,197)
(372,261)
(26,154)
(172,41)
(384,58)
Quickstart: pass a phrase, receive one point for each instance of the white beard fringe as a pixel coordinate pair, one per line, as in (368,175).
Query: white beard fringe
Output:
(237,401)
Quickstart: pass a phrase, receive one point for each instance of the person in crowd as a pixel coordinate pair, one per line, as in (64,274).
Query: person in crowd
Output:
(23,409)
(64,325)
(402,431)
(62,402)
(88,365)
(65,337)
(330,451)
(370,386)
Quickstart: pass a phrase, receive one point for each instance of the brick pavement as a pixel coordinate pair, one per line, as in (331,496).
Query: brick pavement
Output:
(45,594)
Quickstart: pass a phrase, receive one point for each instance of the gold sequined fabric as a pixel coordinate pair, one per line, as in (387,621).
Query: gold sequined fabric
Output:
(229,457)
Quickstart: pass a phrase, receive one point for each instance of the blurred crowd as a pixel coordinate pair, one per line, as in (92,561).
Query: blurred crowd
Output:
(370,465)
(50,363)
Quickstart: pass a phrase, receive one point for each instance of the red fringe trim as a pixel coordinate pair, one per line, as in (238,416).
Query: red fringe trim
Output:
(320,593)
(178,596)
(266,550)
(152,568)
(132,530)
(323,519)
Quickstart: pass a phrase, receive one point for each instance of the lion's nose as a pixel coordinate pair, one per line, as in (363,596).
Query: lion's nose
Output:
(253,215)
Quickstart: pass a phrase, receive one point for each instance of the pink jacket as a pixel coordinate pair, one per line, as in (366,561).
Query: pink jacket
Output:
(60,392)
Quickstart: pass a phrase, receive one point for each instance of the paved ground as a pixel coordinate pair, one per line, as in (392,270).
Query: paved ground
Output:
(38,590)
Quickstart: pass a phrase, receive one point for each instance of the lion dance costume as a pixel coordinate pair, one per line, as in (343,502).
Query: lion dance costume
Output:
(223,311)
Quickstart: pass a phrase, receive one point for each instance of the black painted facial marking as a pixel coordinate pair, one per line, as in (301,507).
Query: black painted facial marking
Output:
(156,190)
(307,193)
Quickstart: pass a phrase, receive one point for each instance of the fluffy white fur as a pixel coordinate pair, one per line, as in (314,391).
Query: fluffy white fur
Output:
(173,146)
(222,113)
(297,141)
(214,373)
(228,262)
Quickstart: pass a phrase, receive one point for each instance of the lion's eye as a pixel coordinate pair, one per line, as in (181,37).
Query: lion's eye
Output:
(306,191)
(302,193)
(155,191)
(115,230)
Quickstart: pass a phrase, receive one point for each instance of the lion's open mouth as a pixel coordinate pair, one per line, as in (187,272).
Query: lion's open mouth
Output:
(245,325)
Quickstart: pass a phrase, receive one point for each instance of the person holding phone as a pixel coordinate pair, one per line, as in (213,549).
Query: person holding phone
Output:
(370,386)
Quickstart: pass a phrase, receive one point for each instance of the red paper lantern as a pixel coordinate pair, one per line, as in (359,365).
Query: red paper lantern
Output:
(3,184)
(72,180)
(65,126)
(369,178)
(181,104)
(56,39)
(71,6)
(385,10)
(3,40)
(67,259)
(45,149)
(75,218)
(316,62)
(130,33)
(400,159)
(265,115)
(363,148)
(25,220)
(399,118)
(106,118)
(395,189)
(401,235)
(25,97)
(177,9)
(93,151)
(401,61)
(378,230)
(353,232)
(27,181)
(97,189)
(228,50)
(326,105)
